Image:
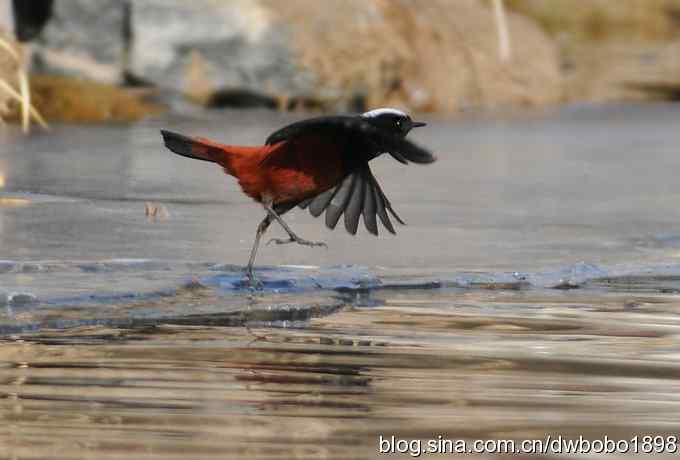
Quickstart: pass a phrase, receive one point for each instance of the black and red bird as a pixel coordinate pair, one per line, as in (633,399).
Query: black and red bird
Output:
(320,164)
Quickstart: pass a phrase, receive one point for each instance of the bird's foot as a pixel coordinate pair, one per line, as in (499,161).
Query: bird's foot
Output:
(255,283)
(299,241)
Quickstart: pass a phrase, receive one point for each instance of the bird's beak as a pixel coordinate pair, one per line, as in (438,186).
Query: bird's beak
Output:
(418,124)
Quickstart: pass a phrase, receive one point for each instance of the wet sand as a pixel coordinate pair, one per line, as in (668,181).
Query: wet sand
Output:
(533,293)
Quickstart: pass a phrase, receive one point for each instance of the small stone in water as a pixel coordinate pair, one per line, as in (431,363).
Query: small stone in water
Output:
(155,211)
(21,299)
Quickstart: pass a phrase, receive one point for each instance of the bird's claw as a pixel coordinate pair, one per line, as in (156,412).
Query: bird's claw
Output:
(255,283)
(299,241)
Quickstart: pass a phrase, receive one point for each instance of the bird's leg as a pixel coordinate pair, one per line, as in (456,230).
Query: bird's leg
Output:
(292,237)
(249,269)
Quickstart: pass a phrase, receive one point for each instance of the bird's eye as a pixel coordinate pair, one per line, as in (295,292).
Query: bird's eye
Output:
(398,122)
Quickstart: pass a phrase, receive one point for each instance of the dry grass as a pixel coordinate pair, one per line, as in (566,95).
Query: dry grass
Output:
(613,50)
(11,71)
(595,20)
(434,55)
(72,100)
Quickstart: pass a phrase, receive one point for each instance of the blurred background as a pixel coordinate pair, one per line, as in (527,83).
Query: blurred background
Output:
(100,60)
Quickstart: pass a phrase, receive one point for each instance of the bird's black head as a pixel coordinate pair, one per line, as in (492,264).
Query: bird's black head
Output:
(391,120)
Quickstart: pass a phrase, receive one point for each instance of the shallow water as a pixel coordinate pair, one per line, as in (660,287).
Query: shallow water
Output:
(533,293)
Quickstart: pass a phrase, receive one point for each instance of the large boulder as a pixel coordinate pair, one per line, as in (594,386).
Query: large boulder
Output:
(204,46)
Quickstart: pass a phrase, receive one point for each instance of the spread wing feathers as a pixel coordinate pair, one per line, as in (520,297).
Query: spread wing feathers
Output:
(340,200)
(319,204)
(355,205)
(358,194)
(384,203)
(370,208)
(340,127)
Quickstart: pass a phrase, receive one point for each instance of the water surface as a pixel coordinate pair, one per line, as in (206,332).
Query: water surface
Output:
(534,292)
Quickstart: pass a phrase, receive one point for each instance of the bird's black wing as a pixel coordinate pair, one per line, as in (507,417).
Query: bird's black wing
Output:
(370,139)
(306,126)
(358,194)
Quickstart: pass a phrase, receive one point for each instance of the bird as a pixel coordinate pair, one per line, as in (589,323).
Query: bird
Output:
(320,164)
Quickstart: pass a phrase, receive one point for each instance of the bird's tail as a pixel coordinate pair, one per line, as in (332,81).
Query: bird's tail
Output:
(199,148)
(195,147)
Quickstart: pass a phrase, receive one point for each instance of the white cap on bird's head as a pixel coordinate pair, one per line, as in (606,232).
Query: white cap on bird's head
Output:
(384,111)
(392,120)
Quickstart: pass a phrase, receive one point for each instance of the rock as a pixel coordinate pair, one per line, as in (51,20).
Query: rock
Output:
(634,71)
(7,266)
(18,299)
(602,20)
(438,55)
(204,46)
(613,51)
(84,38)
